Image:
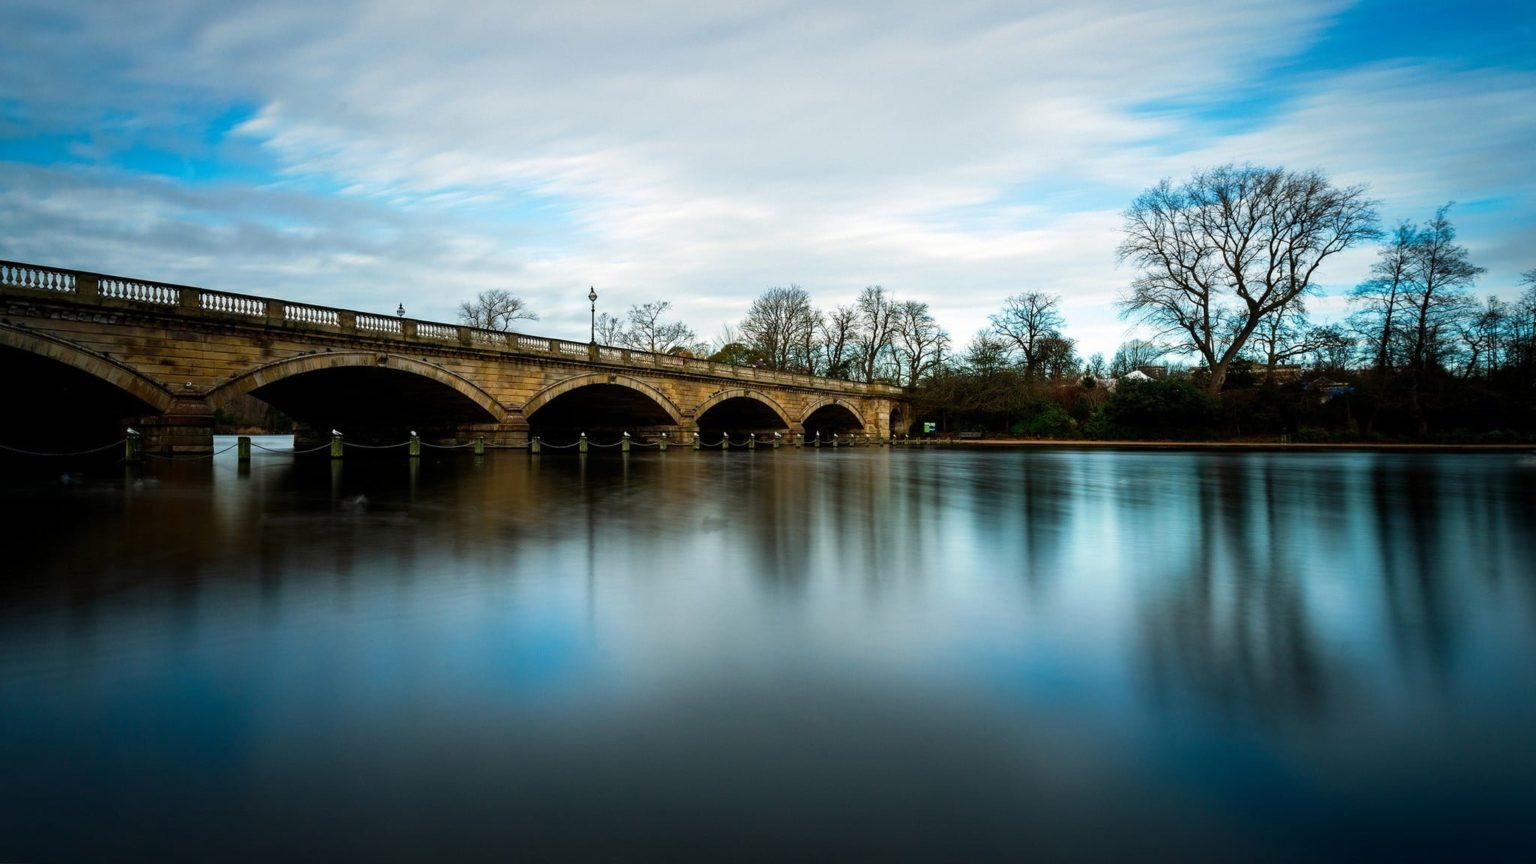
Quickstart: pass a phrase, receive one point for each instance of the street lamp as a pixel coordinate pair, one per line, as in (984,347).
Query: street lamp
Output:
(592,296)
(400,310)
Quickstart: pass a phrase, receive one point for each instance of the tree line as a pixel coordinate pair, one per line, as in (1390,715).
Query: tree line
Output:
(1224,265)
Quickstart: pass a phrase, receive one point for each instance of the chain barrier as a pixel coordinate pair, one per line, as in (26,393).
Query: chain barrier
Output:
(644,444)
(446,446)
(292,452)
(117,443)
(173,457)
(373,446)
(543,443)
(592,443)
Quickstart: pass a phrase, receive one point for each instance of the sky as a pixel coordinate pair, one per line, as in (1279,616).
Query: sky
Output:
(369,153)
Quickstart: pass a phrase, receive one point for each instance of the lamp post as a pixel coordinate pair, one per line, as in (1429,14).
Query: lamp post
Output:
(400,310)
(592,296)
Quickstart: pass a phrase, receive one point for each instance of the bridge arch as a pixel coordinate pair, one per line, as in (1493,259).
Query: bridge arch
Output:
(744,393)
(118,375)
(830,401)
(830,415)
(272,373)
(560,388)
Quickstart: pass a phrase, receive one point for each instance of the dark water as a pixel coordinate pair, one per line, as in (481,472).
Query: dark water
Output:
(791,655)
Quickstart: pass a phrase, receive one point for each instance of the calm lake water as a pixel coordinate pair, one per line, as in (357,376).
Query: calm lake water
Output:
(893,655)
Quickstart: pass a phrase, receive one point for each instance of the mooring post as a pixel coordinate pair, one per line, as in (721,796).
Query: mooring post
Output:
(243,448)
(480,446)
(335,445)
(751,440)
(834,439)
(581,444)
(624,443)
(695,440)
(725,440)
(776,437)
(662,446)
(533,445)
(415,448)
(817,441)
(131,452)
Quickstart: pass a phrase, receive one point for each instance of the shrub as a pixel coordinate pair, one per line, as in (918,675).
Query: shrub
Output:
(1170,408)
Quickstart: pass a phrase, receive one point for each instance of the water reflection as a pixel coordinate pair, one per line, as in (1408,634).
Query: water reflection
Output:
(924,654)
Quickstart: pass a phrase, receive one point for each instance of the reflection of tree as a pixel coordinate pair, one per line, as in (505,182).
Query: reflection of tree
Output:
(1236,625)
(1406,506)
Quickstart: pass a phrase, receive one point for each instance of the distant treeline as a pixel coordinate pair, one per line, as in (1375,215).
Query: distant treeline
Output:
(1225,263)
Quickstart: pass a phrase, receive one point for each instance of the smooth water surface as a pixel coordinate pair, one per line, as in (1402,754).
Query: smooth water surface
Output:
(777,655)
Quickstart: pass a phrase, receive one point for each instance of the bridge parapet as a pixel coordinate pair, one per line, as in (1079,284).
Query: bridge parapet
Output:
(110,291)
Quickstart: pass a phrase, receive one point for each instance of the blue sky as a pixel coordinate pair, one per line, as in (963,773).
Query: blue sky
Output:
(373,152)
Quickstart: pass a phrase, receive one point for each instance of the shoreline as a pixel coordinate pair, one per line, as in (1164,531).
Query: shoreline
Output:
(1274,446)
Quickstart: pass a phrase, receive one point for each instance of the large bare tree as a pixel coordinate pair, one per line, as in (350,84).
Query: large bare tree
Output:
(1026,321)
(781,328)
(1379,299)
(836,341)
(1230,247)
(873,331)
(495,309)
(920,342)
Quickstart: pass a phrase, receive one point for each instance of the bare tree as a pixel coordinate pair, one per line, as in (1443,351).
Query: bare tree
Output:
(1435,300)
(1379,299)
(1026,320)
(875,328)
(836,341)
(1522,327)
(648,332)
(1331,348)
(1134,354)
(610,330)
(987,354)
(919,341)
(781,328)
(1231,246)
(1484,337)
(495,309)
(1056,357)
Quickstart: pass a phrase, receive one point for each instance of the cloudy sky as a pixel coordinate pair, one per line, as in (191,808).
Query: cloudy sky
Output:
(363,154)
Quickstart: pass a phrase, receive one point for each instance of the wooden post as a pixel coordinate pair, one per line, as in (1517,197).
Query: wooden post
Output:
(581,445)
(335,446)
(243,448)
(480,446)
(415,448)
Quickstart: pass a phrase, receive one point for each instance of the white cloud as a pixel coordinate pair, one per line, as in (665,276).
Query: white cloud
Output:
(703,151)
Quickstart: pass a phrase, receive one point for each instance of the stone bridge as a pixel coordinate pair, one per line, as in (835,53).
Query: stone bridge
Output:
(85,355)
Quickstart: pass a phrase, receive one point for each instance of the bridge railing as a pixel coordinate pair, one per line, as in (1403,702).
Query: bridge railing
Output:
(189,300)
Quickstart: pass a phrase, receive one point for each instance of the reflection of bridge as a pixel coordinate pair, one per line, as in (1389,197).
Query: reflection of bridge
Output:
(85,354)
